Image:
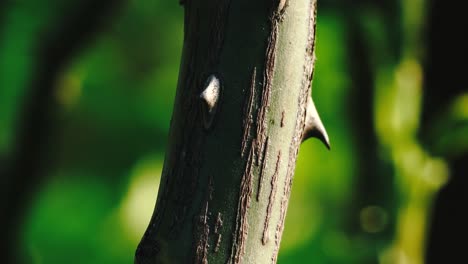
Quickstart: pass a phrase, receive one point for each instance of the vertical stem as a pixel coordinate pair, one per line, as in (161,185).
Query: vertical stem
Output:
(236,169)
(418,175)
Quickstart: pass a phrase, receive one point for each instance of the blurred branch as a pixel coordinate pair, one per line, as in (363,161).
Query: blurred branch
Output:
(36,125)
(398,104)
(372,190)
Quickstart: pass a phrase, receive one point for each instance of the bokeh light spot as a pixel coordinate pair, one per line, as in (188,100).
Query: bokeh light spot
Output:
(373,219)
(138,204)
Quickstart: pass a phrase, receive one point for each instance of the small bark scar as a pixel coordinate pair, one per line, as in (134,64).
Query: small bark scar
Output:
(210,97)
(262,169)
(202,234)
(271,200)
(201,254)
(281,5)
(217,231)
(282,119)
(242,225)
(248,113)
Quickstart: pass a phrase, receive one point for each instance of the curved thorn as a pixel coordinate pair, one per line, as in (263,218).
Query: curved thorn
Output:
(314,126)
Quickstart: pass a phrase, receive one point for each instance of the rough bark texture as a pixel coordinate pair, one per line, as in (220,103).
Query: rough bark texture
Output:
(225,188)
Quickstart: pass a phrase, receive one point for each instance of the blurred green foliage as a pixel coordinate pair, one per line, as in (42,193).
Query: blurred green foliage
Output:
(115,103)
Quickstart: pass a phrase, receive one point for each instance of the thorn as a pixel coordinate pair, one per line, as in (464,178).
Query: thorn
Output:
(314,126)
(210,97)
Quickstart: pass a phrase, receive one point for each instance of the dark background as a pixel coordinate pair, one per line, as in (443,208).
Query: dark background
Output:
(445,80)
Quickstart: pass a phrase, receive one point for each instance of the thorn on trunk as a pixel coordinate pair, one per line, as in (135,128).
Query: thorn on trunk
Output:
(210,97)
(314,126)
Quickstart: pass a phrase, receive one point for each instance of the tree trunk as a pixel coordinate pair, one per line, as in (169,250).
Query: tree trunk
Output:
(238,121)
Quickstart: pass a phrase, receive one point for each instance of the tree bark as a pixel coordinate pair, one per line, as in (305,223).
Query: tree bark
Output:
(242,108)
